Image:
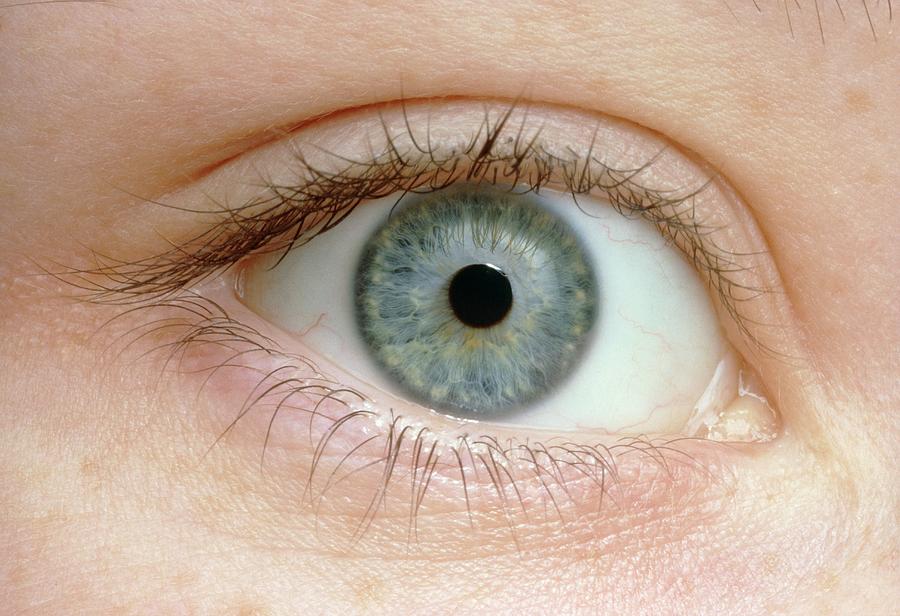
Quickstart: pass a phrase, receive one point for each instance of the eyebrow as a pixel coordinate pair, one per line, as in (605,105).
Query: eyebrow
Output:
(790,14)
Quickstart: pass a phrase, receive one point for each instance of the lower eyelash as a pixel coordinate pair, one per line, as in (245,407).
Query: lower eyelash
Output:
(390,466)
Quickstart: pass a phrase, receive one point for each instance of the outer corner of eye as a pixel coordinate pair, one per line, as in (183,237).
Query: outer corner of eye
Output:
(535,309)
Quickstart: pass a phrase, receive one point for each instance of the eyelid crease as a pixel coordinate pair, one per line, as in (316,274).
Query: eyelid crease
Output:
(502,151)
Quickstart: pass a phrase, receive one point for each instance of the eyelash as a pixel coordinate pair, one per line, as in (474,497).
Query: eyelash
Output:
(292,215)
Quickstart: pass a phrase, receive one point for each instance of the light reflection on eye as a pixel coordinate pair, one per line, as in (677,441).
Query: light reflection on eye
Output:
(609,327)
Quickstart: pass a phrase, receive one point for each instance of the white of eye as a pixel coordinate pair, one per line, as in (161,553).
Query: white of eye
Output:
(655,352)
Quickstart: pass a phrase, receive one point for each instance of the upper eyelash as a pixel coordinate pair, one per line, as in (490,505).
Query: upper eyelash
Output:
(289,216)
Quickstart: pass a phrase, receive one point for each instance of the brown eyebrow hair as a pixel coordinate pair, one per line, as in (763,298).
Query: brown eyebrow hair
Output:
(789,14)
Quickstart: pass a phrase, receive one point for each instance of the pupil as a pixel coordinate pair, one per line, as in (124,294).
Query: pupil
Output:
(480,295)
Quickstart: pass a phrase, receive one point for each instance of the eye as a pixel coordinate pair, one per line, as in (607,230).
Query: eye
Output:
(513,298)
(497,306)
(505,308)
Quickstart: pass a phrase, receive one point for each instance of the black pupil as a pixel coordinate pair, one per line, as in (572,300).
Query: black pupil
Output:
(480,295)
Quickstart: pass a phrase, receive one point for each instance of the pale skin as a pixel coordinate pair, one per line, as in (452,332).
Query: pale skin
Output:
(108,504)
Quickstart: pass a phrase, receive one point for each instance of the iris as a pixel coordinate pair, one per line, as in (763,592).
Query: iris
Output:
(476,302)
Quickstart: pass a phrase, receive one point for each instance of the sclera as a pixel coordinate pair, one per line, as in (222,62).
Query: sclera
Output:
(652,353)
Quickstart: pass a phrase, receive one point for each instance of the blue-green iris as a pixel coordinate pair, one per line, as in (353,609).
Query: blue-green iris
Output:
(508,355)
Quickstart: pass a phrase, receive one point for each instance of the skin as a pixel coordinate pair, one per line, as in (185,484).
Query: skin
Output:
(106,501)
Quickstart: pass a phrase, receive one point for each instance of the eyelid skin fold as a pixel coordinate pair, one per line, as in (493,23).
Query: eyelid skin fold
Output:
(361,464)
(303,185)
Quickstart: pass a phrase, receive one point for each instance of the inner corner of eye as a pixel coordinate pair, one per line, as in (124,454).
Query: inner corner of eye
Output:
(517,309)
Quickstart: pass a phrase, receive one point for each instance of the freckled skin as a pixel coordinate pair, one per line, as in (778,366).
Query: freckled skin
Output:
(858,101)
(107,501)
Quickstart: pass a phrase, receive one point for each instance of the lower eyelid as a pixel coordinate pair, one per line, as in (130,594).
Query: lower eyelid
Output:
(356,469)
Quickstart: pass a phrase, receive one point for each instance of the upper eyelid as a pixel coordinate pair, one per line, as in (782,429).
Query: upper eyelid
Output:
(508,138)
